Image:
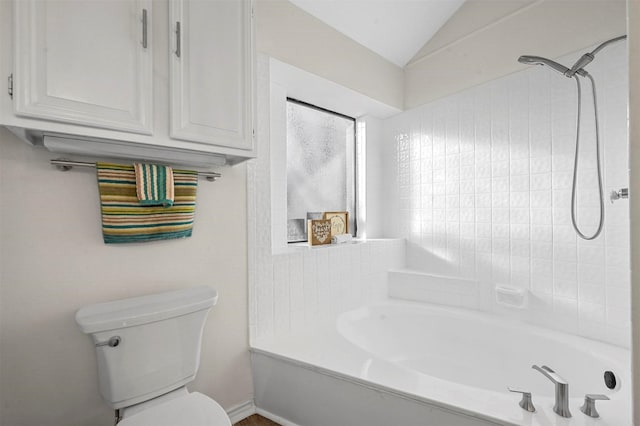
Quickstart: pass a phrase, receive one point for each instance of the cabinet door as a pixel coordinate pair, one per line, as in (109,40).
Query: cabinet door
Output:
(211,72)
(84,62)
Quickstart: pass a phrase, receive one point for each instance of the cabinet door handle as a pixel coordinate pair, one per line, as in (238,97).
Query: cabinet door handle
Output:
(178,41)
(144,28)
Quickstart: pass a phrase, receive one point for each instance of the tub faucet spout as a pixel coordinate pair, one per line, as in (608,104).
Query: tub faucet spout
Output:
(561,407)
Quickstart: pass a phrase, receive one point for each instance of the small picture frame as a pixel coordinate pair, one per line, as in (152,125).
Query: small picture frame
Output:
(319,232)
(339,222)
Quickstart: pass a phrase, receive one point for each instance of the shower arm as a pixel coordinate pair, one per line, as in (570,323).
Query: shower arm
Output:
(608,42)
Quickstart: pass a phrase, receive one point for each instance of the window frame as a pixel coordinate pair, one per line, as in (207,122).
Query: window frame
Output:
(356,177)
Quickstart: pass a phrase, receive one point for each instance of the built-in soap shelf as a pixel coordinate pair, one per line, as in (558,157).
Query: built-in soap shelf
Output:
(512,297)
(420,286)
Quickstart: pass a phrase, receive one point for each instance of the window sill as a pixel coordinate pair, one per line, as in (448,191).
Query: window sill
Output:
(303,246)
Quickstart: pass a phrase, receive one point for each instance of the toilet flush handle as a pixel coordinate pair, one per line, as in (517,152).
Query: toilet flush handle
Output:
(112,342)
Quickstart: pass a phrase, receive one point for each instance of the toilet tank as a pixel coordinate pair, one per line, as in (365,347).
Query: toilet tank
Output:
(154,342)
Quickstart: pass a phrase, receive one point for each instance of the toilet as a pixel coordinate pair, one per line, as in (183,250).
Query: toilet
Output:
(148,349)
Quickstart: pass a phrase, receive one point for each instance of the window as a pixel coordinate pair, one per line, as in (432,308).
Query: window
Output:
(321,175)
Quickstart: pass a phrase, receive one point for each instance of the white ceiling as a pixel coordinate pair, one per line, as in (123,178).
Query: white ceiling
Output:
(394,29)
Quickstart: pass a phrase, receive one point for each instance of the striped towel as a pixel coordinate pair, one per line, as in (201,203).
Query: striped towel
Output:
(154,184)
(125,220)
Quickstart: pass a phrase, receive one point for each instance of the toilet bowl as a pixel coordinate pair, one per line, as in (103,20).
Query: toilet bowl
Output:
(148,349)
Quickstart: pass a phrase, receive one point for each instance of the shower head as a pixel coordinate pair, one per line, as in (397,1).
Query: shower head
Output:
(537,60)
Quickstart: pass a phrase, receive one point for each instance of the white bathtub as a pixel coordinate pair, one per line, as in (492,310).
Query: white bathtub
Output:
(403,363)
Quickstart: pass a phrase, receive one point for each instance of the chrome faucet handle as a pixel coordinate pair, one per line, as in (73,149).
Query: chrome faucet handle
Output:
(526,403)
(589,406)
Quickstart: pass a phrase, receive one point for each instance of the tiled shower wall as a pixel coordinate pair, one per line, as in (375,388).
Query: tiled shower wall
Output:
(293,287)
(481,188)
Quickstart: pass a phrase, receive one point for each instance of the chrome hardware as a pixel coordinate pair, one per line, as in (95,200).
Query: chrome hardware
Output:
(10,83)
(178,42)
(112,342)
(65,165)
(526,403)
(621,193)
(144,28)
(561,406)
(589,406)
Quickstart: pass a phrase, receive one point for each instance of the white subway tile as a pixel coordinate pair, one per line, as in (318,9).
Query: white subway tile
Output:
(520,199)
(483,186)
(520,183)
(541,216)
(541,182)
(565,252)
(500,200)
(500,216)
(618,297)
(564,234)
(565,289)
(519,215)
(500,184)
(618,276)
(521,248)
(591,293)
(500,231)
(483,215)
(540,199)
(541,250)
(565,271)
(591,254)
(520,232)
(540,164)
(593,274)
(520,166)
(542,233)
(467,186)
(617,317)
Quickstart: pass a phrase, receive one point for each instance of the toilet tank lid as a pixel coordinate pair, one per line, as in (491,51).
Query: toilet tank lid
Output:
(145,309)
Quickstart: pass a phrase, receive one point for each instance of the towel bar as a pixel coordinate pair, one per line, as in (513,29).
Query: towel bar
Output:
(64,165)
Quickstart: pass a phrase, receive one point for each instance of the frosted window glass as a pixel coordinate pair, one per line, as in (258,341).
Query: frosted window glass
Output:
(320,166)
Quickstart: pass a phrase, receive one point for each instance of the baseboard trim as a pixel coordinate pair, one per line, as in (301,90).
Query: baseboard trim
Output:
(241,411)
(273,417)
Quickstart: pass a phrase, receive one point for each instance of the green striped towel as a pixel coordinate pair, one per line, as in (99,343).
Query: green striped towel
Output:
(125,220)
(154,184)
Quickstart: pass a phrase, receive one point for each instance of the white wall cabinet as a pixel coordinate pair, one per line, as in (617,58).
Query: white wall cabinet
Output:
(166,73)
(211,81)
(85,62)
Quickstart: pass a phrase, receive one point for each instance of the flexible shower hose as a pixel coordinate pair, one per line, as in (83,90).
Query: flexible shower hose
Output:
(575,163)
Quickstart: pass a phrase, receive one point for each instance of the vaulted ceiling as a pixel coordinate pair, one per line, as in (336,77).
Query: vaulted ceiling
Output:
(394,29)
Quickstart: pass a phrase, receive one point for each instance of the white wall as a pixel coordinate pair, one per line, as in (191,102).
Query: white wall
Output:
(461,55)
(54,261)
(374,181)
(483,184)
(287,33)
